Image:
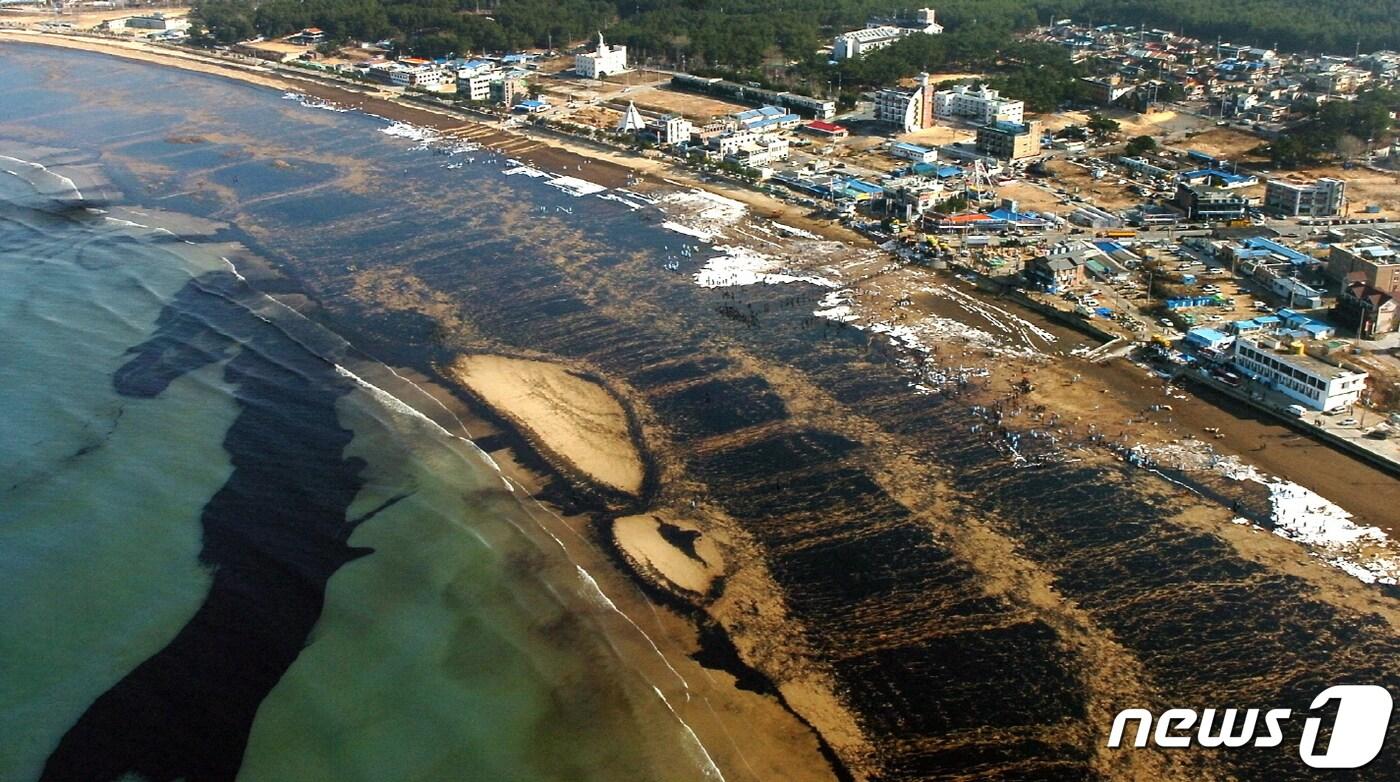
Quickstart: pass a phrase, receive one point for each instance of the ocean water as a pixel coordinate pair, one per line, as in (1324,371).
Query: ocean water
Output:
(225,553)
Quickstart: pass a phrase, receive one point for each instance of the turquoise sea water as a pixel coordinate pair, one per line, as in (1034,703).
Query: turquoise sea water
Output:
(225,555)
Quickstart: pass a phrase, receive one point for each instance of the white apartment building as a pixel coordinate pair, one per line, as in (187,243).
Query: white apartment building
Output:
(603,61)
(475,87)
(763,152)
(1310,199)
(858,43)
(1315,384)
(981,104)
(671,129)
(730,143)
(413,72)
(901,108)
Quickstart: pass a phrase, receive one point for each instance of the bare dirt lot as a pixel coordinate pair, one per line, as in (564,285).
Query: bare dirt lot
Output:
(1229,143)
(1159,124)
(938,135)
(1030,198)
(596,116)
(668,101)
(83,19)
(1105,193)
(1364,188)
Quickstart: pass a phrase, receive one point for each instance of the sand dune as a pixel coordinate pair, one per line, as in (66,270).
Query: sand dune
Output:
(571,419)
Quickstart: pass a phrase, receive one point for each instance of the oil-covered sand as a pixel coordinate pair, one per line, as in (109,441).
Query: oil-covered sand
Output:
(930,606)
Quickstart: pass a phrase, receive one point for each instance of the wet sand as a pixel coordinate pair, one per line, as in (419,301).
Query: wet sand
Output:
(574,421)
(549,150)
(931,606)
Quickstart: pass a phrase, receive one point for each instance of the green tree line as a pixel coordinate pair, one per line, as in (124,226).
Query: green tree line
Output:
(772,38)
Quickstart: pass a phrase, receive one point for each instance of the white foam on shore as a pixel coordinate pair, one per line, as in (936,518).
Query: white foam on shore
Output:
(408,131)
(520,168)
(627,202)
(999,317)
(795,231)
(742,266)
(1299,514)
(696,212)
(576,187)
(703,236)
(70,184)
(314,103)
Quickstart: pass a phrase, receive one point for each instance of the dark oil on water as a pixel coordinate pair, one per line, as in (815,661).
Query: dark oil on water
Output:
(949,678)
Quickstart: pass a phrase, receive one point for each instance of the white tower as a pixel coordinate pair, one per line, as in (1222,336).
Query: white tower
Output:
(632,121)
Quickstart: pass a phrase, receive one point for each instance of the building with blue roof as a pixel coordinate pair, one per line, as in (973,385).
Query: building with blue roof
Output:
(767,118)
(856,189)
(936,171)
(913,152)
(1217,178)
(1206,337)
(1259,249)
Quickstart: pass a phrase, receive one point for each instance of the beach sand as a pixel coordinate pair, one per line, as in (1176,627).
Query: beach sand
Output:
(575,422)
(673,549)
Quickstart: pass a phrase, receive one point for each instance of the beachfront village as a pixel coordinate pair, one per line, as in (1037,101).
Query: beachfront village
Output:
(1162,214)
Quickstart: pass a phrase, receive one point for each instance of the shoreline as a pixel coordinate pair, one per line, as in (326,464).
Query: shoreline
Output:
(724,715)
(547,149)
(584,525)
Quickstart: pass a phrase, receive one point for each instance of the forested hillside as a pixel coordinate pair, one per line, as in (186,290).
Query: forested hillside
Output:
(742,35)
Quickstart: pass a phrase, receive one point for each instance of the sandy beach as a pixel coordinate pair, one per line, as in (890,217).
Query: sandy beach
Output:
(551,151)
(674,550)
(574,421)
(901,581)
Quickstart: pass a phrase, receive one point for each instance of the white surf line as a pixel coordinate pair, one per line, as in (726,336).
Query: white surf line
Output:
(536,504)
(70,183)
(709,768)
(467,430)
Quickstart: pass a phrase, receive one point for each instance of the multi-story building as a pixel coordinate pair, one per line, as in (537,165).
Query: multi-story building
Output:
(882,31)
(857,43)
(1367,311)
(767,119)
(1373,259)
(670,130)
(1055,273)
(980,104)
(603,61)
(475,86)
(1107,89)
(907,109)
(413,72)
(1208,202)
(1312,199)
(921,21)
(1009,140)
(762,152)
(732,142)
(1313,383)
(508,87)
